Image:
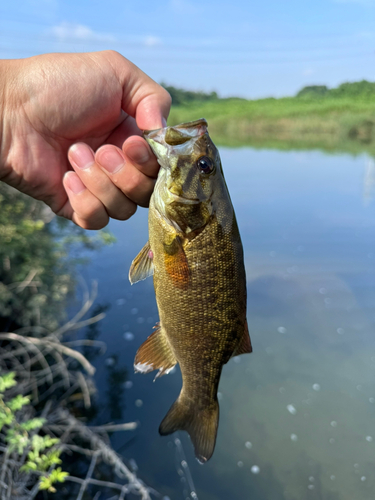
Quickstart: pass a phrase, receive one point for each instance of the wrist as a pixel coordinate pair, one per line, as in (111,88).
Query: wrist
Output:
(8,76)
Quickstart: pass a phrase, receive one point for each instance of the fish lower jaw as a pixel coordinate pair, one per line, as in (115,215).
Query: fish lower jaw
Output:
(172,197)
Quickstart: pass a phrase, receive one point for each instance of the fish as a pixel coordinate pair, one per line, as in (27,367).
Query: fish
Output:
(196,258)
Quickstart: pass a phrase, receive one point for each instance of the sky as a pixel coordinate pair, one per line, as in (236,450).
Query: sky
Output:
(242,48)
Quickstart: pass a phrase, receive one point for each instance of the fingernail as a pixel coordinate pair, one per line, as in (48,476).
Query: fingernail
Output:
(81,155)
(74,183)
(138,153)
(110,159)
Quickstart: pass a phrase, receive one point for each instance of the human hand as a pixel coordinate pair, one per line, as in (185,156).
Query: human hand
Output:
(91,109)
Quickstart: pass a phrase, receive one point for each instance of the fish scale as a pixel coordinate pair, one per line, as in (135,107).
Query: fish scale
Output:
(195,255)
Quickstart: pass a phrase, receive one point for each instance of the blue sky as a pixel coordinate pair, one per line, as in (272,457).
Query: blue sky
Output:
(236,47)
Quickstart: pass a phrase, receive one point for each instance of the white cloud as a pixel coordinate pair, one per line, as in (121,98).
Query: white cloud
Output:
(71,32)
(151,41)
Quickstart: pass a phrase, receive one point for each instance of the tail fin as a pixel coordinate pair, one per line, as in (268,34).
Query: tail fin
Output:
(200,423)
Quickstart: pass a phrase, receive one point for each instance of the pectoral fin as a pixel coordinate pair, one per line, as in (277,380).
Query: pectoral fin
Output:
(244,345)
(155,353)
(176,263)
(142,266)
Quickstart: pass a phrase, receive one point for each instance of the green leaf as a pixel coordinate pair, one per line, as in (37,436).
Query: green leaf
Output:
(45,483)
(34,423)
(18,402)
(28,466)
(58,475)
(7,381)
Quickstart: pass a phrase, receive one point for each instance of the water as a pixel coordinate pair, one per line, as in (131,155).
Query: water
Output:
(297,415)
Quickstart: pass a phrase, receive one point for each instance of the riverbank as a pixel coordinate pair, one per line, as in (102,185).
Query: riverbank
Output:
(330,123)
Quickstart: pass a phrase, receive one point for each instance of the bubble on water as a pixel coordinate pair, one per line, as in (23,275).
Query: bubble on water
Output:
(120,302)
(166,498)
(193,495)
(248,445)
(282,390)
(356,466)
(110,361)
(255,469)
(327,300)
(294,437)
(340,331)
(369,439)
(311,486)
(128,384)
(316,387)
(281,329)
(332,478)
(311,479)
(184,464)
(240,464)
(237,359)
(133,464)
(331,441)
(334,423)
(134,310)
(359,387)
(140,320)
(128,336)
(372,400)
(138,403)
(291,409)
(323,291)
(363,478)
(219,396)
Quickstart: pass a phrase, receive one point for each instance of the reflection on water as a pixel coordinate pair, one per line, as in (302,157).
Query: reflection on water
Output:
(297,415)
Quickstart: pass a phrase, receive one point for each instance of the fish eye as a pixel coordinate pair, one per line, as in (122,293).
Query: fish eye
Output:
(205,165)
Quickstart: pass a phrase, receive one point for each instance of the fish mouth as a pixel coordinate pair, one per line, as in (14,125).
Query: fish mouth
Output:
(182,199)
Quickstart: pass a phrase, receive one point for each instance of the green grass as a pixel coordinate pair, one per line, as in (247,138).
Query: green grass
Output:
(329,123)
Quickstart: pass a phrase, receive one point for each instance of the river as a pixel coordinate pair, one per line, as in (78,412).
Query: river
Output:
(297,416)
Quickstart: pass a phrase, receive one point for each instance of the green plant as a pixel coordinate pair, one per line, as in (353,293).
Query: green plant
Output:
(22,437)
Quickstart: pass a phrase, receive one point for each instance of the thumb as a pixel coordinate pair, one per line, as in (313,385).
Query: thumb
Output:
(142,98)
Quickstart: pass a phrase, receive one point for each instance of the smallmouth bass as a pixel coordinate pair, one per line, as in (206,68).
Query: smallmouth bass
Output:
(195,254)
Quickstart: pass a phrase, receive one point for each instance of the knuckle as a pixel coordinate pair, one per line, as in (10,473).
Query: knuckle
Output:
(95,217)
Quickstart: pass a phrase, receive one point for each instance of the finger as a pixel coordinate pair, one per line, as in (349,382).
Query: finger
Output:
(138,152)
(83,207)
(127,128)
(144,99)
(125,175)
(117,205)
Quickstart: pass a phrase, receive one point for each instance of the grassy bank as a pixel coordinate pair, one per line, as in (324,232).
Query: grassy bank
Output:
(338,122)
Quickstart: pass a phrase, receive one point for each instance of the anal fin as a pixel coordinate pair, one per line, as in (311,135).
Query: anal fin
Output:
(155,354)
(244,345)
